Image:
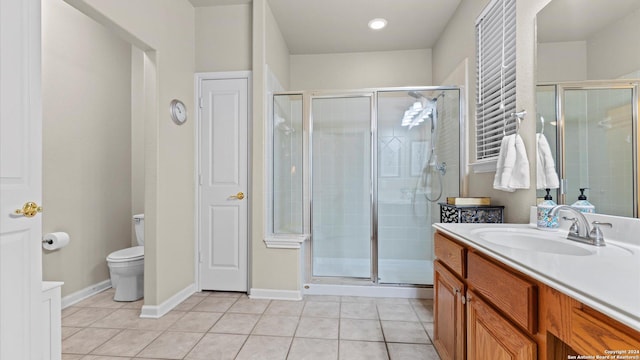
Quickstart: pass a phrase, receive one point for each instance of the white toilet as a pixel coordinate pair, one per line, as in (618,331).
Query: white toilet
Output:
(126,267)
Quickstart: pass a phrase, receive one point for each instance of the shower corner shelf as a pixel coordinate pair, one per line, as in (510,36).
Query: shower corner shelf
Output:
(471,213)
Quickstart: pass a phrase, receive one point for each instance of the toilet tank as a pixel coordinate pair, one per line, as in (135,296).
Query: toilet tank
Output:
(138,223)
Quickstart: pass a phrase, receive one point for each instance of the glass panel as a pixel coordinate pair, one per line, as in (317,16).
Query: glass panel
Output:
(341,182)
(287,164)
(418,166)
(547,124)
(599,148)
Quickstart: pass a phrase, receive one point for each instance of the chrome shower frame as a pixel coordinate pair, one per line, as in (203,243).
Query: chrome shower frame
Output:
(372,93)
(560,89)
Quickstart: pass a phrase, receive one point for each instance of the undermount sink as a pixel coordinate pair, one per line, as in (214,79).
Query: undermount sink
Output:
(547,242)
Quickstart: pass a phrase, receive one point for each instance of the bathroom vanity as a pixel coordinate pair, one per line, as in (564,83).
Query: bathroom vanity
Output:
(508,291)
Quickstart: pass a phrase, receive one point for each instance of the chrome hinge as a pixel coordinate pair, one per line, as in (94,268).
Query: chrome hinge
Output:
(200,102)
(199,179)
(463,299)
(199,257)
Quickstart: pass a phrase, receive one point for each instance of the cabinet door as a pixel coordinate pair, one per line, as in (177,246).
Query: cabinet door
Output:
(490,336)
(448,315)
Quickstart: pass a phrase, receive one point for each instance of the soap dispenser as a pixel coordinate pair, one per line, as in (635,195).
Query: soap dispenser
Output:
(545,221)
(582,204)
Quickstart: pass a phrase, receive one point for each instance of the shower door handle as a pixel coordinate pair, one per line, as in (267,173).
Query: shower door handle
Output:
(238,196)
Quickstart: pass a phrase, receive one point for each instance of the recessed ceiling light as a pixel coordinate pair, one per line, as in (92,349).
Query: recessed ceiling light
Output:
(377,24)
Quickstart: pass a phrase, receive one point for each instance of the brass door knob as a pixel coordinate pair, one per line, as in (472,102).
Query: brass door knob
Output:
(238,196)
(30,209)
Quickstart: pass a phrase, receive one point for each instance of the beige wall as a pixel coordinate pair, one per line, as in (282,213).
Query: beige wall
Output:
(275,269)
(277,52)
(223,38)
(614,51)
(562,61)
(86,85)
(611,53)
(456,43)
(361,70)
(168,38)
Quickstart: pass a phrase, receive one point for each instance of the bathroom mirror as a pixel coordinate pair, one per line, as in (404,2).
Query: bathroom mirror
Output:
(588,70)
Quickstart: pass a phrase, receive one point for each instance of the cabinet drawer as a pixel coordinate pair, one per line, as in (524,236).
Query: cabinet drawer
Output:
(592,336)
(512,294)
(450,253)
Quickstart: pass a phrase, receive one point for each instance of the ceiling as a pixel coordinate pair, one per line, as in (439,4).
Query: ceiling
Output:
(573,20)
(335,26)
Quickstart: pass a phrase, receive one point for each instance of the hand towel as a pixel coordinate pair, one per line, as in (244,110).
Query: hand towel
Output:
(546,175)
(506,161)
(520,174)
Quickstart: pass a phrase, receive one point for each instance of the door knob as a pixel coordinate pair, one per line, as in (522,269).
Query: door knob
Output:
(30,209)
(238,196)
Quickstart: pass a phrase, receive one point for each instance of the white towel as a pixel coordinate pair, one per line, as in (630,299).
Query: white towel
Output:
(520,173)
(506,160)
(546,175)
(512,171)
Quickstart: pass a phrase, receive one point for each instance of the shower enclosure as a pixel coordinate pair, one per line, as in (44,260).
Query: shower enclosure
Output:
(377,164)
(594,126)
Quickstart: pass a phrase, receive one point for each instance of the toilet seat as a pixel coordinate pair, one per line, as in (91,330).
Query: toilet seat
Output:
(128,254)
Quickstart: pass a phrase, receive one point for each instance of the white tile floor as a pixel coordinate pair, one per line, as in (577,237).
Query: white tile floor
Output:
(218,325)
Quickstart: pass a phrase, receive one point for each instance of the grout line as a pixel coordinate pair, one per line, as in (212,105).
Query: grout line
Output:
(167,329)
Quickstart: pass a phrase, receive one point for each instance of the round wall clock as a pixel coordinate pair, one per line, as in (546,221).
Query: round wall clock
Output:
(178,111)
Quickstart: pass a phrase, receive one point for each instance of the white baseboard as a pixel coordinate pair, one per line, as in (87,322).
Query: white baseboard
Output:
(80,295)
(157,311)
(272,294)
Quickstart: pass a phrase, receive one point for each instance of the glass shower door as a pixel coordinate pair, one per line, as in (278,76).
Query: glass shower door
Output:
(341,186)
(598,147)
(418,136)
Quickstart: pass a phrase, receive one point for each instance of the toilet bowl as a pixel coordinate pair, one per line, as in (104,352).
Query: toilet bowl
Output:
(126,267)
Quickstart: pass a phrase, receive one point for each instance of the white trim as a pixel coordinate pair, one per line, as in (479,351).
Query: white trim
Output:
(285,241)
(52,315)
(80,295)
(369,291)
(157,311)
(273,294)
(198,79)
(485,166)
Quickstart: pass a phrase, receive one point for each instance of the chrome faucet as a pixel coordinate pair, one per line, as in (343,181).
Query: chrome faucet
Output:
(579,230)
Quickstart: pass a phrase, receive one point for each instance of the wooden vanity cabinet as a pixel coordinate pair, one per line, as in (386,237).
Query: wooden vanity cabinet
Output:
(449,306)
(462,279)
(487,310)
(448,336)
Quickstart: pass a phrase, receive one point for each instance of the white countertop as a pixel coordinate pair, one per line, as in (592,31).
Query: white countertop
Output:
(608,280)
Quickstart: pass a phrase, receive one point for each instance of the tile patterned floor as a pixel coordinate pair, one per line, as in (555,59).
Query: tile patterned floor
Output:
(219,325)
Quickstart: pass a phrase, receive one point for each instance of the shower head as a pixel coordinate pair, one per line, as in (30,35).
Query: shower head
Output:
(419,96)
(415,94)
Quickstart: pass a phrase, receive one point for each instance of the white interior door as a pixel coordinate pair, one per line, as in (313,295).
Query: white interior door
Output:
(20,180)
(223,184)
